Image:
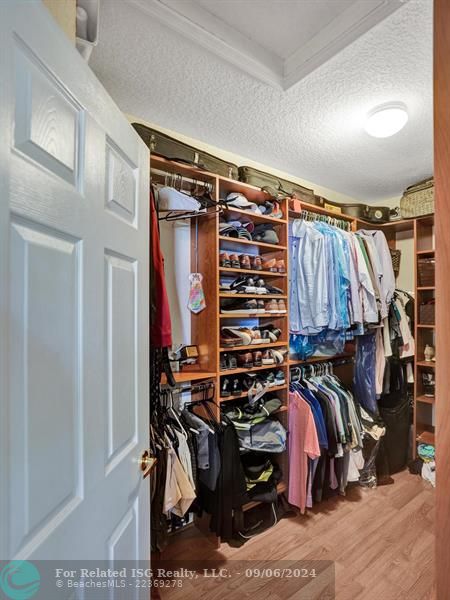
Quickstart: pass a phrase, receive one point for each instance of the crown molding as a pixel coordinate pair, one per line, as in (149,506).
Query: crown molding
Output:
(202,27)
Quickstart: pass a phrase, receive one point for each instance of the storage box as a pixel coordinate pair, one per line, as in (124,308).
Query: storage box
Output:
(425,272)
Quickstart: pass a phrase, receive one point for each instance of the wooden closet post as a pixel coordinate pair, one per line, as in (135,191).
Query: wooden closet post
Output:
(442,192)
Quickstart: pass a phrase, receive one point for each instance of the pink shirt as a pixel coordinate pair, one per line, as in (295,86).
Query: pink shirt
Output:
(303,442)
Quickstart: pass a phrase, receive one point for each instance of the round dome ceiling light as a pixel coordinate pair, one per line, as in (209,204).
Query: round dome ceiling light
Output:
(386,120)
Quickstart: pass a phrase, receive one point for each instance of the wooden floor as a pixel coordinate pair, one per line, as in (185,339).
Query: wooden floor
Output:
(381,540)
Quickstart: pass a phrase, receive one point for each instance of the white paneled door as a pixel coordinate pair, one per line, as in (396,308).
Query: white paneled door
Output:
(73,304)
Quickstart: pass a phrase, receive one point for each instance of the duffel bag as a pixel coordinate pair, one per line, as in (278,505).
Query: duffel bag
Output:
(275,186)
(172,149)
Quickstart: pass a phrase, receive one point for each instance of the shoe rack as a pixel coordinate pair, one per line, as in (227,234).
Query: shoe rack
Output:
(266,251)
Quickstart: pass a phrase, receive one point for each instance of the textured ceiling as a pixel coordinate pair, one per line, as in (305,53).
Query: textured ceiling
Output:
(313,130)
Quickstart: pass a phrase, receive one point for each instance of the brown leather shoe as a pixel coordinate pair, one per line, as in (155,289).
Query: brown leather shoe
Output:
(235,262)
(256,263)
(224,260)
(270,265)
(281,267)
(245,360)
(257,358)
(245,261)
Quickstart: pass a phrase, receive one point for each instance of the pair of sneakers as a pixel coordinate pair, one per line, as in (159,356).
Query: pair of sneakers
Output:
(246,336)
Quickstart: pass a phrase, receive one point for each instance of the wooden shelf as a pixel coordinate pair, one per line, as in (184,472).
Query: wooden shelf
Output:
(275,388)
(420,326)
(170,166)
(230,240)
(425,399)
(254,347)
(257,296)
(266,315)
(281,488)
(264,274)
(391,226)
(255,217)
(424,363)
(426,437)
(251,369)
(426,288)
(185,376)
(316,359)
(425,252)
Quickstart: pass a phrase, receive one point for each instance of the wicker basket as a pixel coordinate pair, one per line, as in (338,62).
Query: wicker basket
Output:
(426,313)
(395,257)
(418,200)
(425,272)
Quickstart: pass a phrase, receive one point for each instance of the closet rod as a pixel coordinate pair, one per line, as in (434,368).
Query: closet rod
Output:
(182,178)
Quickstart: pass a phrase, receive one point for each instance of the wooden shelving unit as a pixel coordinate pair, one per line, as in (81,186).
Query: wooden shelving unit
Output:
(425,333)
(206,326)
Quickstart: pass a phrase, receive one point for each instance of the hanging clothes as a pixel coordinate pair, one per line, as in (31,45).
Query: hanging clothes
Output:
(160,323)
(324,430)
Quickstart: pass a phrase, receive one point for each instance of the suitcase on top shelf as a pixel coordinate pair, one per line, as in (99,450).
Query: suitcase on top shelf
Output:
(172,149)
(418,199)
(275,186)
(371,214)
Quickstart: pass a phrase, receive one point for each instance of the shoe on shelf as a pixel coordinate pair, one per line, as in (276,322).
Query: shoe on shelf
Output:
(280,378)
(224,364)
(269,332)
(235,336)
(257,358)
(247,307)
(245,360)
(271,306)
(235,263)
(270,379)
(271,289)
(232,362)
(236,387)
(279,355)
(281,266)
(225,388)
(241,285)
(261,307)
(224,260)
(261,287)
(281,306)
(270,265)
(256,263)
(245,261)
(268,358)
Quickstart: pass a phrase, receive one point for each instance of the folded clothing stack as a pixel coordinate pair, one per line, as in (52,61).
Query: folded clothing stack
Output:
(247,230)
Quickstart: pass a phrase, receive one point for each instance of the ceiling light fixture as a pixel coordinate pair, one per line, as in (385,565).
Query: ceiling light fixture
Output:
(386,120)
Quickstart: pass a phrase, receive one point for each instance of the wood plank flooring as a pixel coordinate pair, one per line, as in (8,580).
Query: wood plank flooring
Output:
(381,541)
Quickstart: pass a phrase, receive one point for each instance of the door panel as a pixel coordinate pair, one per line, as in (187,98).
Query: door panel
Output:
(73,304)
(46,411)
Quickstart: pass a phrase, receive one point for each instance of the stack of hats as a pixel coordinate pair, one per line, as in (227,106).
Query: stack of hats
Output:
(269,207)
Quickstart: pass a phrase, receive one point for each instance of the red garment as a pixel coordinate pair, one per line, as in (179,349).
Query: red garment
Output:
(160,323)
